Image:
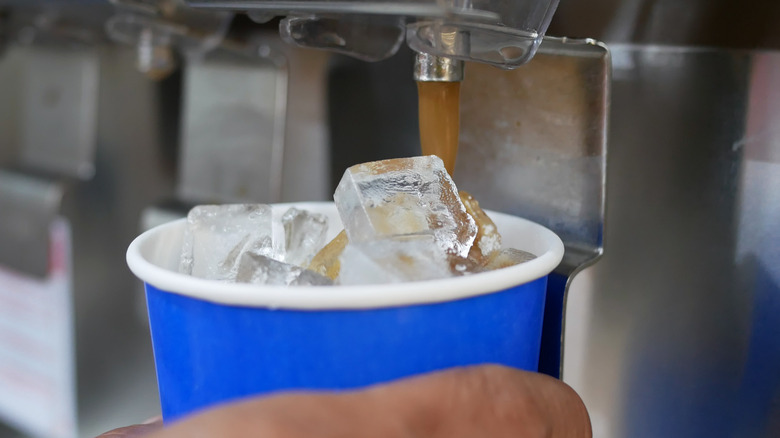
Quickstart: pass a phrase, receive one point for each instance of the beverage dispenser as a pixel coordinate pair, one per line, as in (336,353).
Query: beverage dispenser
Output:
(664,312)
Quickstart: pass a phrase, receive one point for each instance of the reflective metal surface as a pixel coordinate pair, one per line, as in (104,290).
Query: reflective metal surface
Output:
(233,124)
(675,331)
(533,144)
(540,133)
(58,108)
(432,68)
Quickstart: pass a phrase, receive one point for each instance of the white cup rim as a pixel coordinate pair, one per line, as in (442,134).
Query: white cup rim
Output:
(343,297)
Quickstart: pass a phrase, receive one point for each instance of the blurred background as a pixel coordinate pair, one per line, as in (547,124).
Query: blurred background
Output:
(119,115)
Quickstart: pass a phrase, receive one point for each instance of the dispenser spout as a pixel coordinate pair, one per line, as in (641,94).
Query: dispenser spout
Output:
(433,68)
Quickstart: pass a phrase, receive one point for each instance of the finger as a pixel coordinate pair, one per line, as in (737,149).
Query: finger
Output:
(476,401)
(139,430)
(489,400)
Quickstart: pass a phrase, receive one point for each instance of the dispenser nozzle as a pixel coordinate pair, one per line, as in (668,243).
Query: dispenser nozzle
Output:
(432,68)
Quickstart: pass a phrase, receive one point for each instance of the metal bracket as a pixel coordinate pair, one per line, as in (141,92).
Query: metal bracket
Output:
(533,144)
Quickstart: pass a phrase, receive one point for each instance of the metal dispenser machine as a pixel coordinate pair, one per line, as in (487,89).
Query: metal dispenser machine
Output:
(117,115)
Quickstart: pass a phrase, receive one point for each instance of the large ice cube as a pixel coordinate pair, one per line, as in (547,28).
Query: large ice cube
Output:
(404,197)
(393,261)
(260,269)
(218,235)
(304,233)
(488,239)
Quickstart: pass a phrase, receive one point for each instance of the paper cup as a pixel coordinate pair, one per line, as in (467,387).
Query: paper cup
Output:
(215,342)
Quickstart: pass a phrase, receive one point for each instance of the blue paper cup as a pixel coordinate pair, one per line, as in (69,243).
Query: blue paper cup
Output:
(214,342)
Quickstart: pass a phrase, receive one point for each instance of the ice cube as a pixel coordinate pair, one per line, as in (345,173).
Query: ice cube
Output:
(507,257)
(311,278)
(260,269)
(304,234)
(404,197)
(393,261)
(326,262)
(488,239)
(218,235)
(464,266)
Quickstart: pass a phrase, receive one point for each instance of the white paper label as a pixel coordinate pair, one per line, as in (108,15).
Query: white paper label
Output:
(37,369)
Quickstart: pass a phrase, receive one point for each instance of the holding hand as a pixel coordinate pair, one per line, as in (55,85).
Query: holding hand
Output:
(482,401)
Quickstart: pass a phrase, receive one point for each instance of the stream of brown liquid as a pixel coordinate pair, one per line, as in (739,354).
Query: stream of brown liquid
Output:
(439,112)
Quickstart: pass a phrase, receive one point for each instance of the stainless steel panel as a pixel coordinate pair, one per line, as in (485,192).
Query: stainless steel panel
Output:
(48,106)
(233,128)
(540,133)
(59,110)
(533,144)
(675,331)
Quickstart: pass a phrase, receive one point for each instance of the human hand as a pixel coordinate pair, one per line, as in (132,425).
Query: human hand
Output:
(488,400)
